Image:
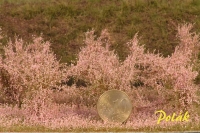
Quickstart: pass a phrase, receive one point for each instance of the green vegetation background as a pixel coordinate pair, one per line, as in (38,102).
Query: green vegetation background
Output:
(64,22)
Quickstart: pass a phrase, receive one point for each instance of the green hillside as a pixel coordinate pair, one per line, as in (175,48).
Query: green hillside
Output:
(64,22)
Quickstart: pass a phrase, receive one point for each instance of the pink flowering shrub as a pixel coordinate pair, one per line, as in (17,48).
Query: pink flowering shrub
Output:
(27,68)
(29,72)
(162,80)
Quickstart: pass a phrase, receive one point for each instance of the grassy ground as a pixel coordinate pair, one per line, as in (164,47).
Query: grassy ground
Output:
(19,128)
(64,22)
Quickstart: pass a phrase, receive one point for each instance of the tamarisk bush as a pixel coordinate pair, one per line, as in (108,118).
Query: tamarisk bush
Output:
(27,68)
(162,80)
